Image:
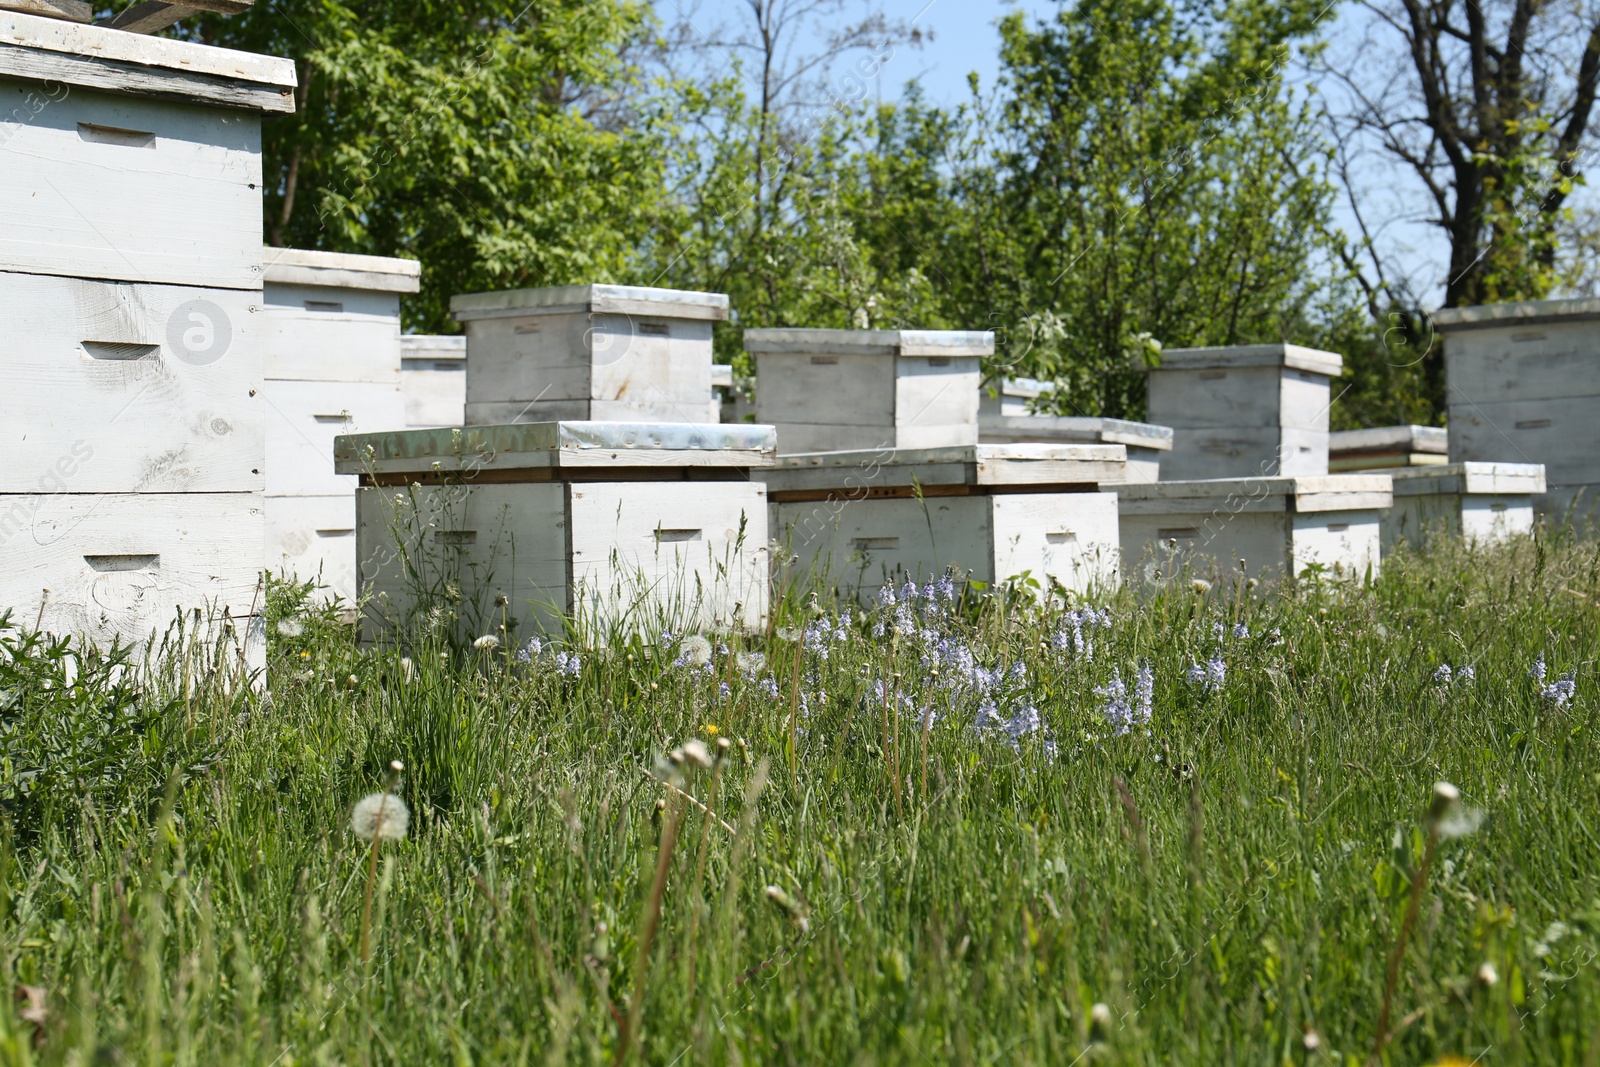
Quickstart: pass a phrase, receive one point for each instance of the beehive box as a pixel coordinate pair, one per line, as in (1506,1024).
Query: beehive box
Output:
(1523,388)
(1146,444)
(1278,526)
(1482,502)
(1010,396)
(433,380)
(845,390)
(1385,447)
(333,366)
(994,512)
(1242,411)
(625,526)
(131,292)
(601,352)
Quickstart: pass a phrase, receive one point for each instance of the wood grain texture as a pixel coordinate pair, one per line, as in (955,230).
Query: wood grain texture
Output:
(103,395)
(322,333)
(1068,538)
(340,270)
(313,538)
(303,418)
(108,187)
(435,392)
(99,44)
(121,566)
(1484,518)
(68,10)
(1240,453)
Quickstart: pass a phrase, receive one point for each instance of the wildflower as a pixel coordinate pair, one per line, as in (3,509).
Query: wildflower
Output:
(1023,723)
(988,715)
(1560,692)
(1444,675)
(724,690)
(1100,1023)
(408,670)
(711,729)
(1201,586)
(695,751)
(1487,975)
(1241,631)
(1537,671)
(486,643)
(693,651)
(1144,690)
(769,687)
(568,664)
(1118,714)
(380,816)
(1465,674)
(787,634)
(288,627)
(750,663)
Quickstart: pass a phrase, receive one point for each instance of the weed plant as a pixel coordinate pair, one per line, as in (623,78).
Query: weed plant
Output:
(1193,823)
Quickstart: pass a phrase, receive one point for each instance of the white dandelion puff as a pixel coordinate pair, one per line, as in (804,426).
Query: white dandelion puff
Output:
(486,643)
(290,627)
(694,651)
(381,817)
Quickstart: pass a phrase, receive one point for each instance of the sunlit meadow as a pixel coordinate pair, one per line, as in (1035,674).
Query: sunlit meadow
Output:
(1188,822)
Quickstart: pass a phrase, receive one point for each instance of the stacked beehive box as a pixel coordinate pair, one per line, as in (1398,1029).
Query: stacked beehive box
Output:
(433,380)
(1482,502)
(1244,411)
(331,328)
(130,292)
(1523,388)
(1003,418)
(991,512)
(1385,447)
(1278,526)
(588,352)
(852,389)
(624,526)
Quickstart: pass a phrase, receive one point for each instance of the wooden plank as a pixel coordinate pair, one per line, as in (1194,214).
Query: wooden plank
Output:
(1239,453)
(802,438)
(99,44)
(150,16)
(127,79)
(435,392)
(1230,398)
(811,389)
(321,333)
(937,393)
(113,388)
(314,538)
(134,190)
(1390,440)
(1207,546)
(303,418)
(521,475)
(912,492)
(68,10)
(1292,357)
(1071,538)
(674,304)
(1547,361)
(122,566)
(340,270)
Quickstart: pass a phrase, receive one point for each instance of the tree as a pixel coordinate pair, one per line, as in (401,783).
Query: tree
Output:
(501,143)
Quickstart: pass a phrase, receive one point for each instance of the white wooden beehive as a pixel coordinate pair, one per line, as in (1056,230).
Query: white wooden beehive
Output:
(332,323)
(844,390)
(1523,387)
(433,380)
(860,520)
(600,352)
(1245,410)
(625,526)
(1385,447)
(1481,502)
(1146,444)
(1278,526)
(131,292)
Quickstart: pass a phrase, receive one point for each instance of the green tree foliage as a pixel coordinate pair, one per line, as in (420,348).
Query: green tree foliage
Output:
(502,143)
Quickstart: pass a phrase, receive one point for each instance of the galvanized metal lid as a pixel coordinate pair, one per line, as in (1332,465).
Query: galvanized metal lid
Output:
(1488,479)
(556,444)
(1518,313)
(1072,428)
(433,346)
(596,299)
(805,341)
(1429,439)
(978,465)
(1223,497)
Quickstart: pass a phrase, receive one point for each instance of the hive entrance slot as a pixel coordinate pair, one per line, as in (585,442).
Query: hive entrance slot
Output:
(1061,537)
(875,544)
(94,133)
(324,305)
(654,329)
(666,536)
(119,351)
(335,533)
(824,361)
(455,538)
(1178,533)
(133,562)
(1533,424)
(1338,527)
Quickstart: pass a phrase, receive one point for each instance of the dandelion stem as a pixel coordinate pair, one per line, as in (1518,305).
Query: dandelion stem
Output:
(366,903)
(794,708)
(696,803)
(1418,880)
(647,936)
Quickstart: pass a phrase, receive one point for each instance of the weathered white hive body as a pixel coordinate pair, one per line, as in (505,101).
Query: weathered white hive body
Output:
(332,328)
(1524,387)
(1482,502)
(861,520)
(844,390)
(1387,447)
(588,352)
(1145,443)
(131,334)
(1243,411)
(433,380)
(626,526)
(1278,526)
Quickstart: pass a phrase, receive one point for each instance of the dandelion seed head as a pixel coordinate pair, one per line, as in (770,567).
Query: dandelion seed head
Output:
(486,643)
(381,817)
(1201,586)
(694,651)
(290,627)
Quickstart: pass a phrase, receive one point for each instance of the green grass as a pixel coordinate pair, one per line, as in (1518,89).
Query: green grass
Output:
(181,880)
